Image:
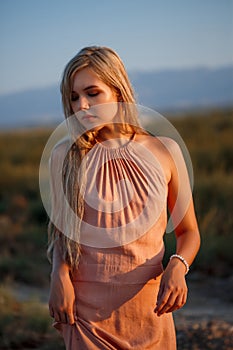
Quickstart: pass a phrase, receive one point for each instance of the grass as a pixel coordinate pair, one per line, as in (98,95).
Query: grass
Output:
(208,137)
(23,256)
(23,237)
(26,325)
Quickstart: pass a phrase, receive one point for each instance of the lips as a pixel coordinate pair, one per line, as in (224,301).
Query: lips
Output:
(88,117)
(84,115)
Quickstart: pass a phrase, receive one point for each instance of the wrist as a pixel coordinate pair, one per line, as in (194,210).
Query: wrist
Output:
(179,260)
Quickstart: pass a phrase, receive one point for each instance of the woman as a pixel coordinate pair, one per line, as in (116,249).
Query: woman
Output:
(108,286)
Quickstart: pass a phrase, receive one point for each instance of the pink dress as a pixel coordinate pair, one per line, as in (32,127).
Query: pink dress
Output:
(118,278)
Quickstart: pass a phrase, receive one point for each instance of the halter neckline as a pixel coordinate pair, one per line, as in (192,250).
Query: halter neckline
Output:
(107,145)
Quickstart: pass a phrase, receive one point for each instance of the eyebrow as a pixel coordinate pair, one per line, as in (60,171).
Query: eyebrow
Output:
(87,88)
(90,87)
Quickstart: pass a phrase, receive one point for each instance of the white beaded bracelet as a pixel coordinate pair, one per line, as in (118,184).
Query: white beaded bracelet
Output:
(183,261)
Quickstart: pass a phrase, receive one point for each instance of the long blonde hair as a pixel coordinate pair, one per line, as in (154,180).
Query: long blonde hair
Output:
(109,68)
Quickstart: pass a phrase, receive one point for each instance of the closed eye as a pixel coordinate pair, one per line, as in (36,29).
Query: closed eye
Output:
(93,94)
(75,97)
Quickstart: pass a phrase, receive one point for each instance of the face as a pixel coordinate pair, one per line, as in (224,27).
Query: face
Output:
(92,101)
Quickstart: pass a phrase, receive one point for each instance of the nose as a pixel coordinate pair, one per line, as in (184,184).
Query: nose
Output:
(83,103)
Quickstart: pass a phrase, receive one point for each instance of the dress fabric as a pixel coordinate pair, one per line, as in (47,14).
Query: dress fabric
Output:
(118,278)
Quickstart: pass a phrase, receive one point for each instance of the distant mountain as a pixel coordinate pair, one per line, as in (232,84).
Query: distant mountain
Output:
(32,107)
(177,89)
(160,90)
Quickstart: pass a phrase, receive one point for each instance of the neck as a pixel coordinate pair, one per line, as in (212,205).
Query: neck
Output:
(114,134)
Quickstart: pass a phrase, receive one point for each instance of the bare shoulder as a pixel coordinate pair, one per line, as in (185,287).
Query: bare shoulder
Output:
(165,146)
(171,145)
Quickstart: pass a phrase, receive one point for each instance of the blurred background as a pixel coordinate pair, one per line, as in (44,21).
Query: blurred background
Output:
(179,56)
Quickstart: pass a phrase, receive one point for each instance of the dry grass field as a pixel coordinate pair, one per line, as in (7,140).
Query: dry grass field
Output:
(24,319)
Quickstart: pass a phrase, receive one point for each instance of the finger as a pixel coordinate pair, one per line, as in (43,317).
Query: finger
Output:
(70,317)
(177,304)
(162,301)
(185,295)
(57,317)
(159,297)
(75,313)
(167,304)
(60,317)
(160,293)
(51,312)
(63,317)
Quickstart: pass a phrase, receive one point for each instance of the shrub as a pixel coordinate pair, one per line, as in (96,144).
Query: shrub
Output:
(26,325)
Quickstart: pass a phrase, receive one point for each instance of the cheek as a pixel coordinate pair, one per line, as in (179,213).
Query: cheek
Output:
(106,111)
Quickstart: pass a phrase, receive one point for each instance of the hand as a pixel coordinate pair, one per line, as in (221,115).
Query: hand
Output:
(62,298)
(173,289)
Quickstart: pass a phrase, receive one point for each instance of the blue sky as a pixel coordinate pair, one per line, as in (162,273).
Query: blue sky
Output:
(37,38)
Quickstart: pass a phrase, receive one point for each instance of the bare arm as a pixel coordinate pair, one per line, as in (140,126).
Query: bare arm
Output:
(173,289)
(62,296)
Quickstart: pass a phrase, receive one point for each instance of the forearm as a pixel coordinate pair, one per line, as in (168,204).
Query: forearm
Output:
(62,295)
(173,288)
(59,265)
(187,246)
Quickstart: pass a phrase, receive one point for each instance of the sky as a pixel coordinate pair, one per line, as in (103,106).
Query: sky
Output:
(37,38)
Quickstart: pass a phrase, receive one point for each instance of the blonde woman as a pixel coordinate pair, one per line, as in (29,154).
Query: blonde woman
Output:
(108,286)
